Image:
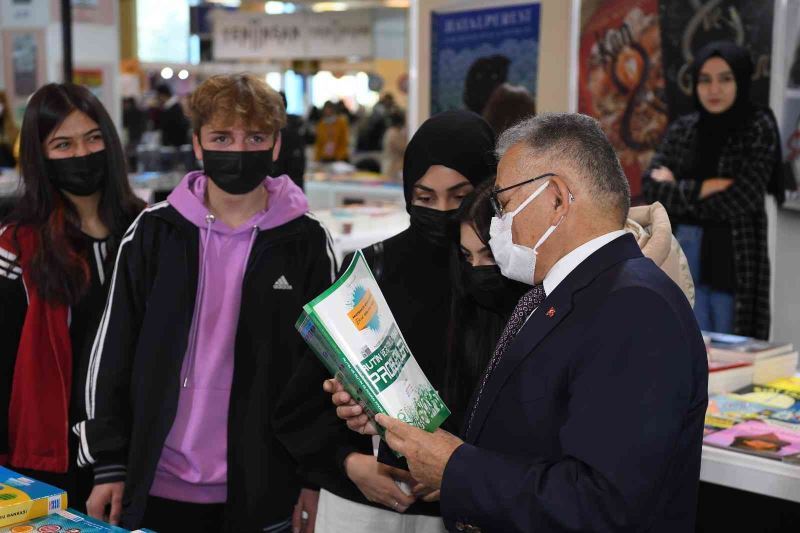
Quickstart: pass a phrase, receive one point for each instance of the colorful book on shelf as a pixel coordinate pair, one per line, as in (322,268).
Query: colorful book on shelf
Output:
(23,498)
(65,521)
(353,332)
(758,438)
(727,410)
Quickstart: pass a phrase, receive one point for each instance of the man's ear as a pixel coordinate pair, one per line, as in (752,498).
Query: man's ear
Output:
(276,147)
(198,150)
(562,199)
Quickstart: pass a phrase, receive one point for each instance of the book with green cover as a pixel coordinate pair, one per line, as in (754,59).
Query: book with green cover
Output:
(353,332)
(23,498)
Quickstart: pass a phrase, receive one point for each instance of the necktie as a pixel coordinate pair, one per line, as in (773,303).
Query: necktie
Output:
(526,305)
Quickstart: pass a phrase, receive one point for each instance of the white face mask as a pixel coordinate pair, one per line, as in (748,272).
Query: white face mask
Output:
(516,262)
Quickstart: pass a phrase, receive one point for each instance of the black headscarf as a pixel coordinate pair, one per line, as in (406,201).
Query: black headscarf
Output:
(460,140)
(714,129)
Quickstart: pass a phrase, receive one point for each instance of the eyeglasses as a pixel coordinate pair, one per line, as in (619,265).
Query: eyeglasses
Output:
(498,209)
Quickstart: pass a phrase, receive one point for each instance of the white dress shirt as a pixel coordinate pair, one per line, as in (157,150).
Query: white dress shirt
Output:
(570,262)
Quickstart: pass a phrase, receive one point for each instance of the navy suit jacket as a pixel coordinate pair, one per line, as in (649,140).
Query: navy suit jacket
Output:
(593,419)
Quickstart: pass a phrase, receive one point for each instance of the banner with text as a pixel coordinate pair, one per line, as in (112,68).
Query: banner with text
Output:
(299,36)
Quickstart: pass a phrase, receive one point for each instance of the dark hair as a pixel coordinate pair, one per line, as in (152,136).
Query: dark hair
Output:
(473,331)
(58,268)
(164,90)
(579,140)
(508,105)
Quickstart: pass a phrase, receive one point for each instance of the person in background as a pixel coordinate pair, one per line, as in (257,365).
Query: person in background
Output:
(373,128)
(333,136)
(134,121)
(292,158)
(508,105)
(711,173)
(198,341)
(8,133)
(172,121)
(394,146)
(57,248)
(448,156)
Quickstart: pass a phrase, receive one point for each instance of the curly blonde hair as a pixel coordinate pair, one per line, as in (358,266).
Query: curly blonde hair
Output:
(238,98)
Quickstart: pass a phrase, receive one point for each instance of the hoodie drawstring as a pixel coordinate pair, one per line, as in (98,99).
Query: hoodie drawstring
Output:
(200,284)
(199,304)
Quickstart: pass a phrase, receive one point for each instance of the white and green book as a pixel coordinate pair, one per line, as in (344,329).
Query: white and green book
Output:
(352,331)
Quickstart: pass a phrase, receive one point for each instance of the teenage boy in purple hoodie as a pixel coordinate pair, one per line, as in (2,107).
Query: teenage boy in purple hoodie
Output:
(196,346)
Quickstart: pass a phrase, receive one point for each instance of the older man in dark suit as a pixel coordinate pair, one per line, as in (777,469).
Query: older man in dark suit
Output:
(590,414)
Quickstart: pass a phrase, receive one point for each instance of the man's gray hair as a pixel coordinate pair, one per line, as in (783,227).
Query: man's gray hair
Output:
(579,141)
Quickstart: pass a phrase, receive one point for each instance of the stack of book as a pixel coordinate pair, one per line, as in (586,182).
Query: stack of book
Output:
(30,506)
(761,419)
(735,362)
(353,332)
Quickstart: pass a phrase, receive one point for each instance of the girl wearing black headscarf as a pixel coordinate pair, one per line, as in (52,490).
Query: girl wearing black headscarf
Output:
(447,158)
(711,172)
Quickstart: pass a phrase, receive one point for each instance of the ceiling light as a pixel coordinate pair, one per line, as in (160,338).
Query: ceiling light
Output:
(166,73)
(183,74)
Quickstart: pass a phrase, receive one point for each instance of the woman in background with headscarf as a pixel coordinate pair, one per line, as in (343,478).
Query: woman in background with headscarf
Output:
(711,172)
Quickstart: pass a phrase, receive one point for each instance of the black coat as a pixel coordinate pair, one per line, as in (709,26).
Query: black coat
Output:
(593,418)
(134,370)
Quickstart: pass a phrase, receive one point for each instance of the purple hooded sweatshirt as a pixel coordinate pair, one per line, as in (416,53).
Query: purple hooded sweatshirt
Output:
(193,465)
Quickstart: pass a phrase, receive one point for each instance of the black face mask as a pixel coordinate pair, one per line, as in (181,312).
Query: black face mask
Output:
(81,176)
(237,172)
(490,289)
(437,227)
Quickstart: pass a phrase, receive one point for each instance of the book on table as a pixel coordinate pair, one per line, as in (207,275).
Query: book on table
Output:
(787,386)
(728,376)
(758,438)
(727,410)
(23,498)
(66,521)
(353,332)
(725,347)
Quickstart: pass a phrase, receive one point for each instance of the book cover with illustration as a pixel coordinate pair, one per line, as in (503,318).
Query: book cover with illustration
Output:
(726,410)
(353,332)
(758,438)
(66,521)
(23,498)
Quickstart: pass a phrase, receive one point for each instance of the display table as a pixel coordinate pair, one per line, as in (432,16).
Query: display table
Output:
(330,194)
(356,227)
(751,473)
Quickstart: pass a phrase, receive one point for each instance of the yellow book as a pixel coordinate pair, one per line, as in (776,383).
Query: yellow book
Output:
(787,386)
(23,499)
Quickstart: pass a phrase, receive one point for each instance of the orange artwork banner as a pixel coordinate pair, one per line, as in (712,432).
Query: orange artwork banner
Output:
(621,78)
